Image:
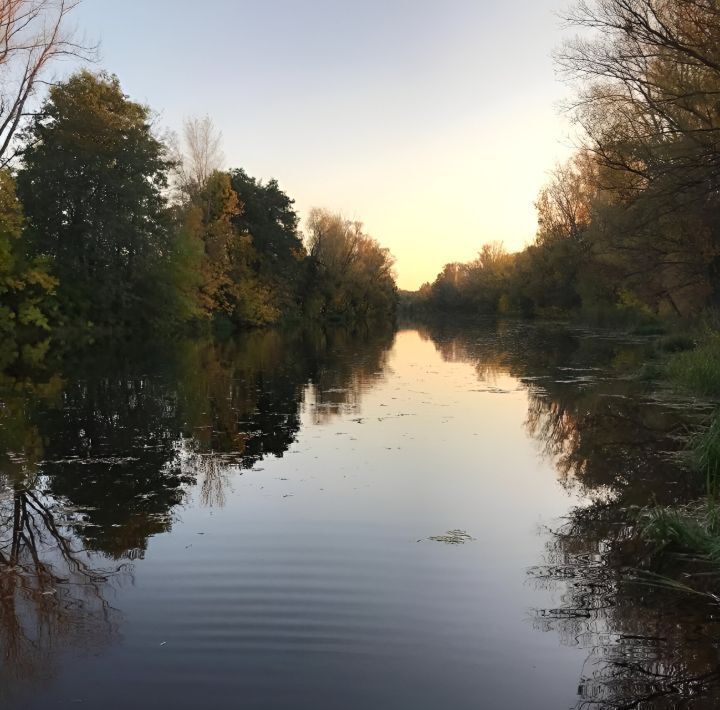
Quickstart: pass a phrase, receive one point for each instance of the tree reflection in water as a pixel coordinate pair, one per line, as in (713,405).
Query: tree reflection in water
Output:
(101,453)
(648,646)
(615,442)
(98,453)
(53,596)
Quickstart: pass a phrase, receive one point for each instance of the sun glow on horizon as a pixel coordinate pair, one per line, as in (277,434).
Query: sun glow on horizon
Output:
(422,121)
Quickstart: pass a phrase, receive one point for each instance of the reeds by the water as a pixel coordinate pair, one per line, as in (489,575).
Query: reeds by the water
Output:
(698,370)
(692,529)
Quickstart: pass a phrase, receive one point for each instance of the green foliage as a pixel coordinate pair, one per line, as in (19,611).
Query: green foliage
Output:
(267,215)
(698,370)
(92,188)
(26,285)
(693,529)
(227,252)
(676,343)
(705,453)
(178,280)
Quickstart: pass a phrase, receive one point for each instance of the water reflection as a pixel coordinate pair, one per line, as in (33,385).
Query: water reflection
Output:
(614,441)
(648,647)
(104,450)
(53,595)
(123,433)
(98,455)
(606,431)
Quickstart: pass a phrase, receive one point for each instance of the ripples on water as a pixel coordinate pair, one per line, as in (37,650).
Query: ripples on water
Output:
(422,519)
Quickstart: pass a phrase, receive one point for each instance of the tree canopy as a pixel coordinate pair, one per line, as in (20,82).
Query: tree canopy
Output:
(92,186)
(631,223)
(100,226)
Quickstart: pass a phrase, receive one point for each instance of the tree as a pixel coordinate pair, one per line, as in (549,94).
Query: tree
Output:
(201,155)
(92,187)
(32,35)
(218,204)
(564,204)
(555,267)
(26,285)
(267,215)
(229,287)
(650,78)
(352,275)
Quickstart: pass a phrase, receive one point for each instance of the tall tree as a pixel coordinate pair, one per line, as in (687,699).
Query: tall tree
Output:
(92,187)
(201,153)
(268,216)
(649,74)
(229,288)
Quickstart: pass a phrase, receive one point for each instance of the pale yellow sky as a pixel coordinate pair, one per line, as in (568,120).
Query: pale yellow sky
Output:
(441,201)
(433,123)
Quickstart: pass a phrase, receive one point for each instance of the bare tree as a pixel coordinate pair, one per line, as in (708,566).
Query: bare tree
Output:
(649,72)
(202,152)
(33,33)
(564,204)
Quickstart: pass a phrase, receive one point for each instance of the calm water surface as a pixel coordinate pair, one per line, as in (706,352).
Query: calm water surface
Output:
(251,524)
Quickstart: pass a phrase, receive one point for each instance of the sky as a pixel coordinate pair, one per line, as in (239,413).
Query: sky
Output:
(434,123)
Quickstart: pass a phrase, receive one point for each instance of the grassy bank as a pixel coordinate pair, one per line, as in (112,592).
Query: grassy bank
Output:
(690,363)
(697,370)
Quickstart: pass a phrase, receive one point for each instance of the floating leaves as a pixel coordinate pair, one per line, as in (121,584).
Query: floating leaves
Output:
(453,537)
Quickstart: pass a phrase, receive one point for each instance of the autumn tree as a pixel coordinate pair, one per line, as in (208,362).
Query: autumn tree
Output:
(267,215)
(564,204)
(229,286)
(352,274)
(649,77)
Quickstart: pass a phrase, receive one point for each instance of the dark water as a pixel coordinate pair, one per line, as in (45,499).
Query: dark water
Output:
(250,524)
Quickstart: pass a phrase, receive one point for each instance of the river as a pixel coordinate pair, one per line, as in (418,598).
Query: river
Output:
(432,517)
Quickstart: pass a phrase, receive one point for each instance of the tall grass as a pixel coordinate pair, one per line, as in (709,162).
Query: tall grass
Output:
(698,370)
(693,529)
(705,453)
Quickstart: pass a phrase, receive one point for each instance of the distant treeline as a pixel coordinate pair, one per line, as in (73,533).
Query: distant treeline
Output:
(631,224)
(106,227)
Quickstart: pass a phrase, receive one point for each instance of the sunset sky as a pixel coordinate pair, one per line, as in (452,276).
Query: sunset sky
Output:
(434,123)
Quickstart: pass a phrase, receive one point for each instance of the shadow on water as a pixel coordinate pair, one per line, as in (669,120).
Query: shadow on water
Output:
(617,443)
(98,453)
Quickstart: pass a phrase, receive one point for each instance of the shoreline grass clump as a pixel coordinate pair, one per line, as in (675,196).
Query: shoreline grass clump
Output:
(704,452)
(692,529)
(698,370)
